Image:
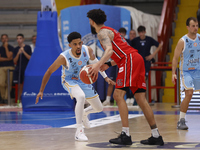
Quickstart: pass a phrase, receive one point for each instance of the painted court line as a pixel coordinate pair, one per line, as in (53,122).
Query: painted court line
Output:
(104,121)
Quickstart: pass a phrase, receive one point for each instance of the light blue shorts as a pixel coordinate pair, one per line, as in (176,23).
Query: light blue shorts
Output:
(88,89)
(190,80)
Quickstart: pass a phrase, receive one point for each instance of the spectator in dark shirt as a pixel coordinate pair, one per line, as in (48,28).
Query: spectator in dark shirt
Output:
(143,44)
(6,62)
(22,54)
(132,35)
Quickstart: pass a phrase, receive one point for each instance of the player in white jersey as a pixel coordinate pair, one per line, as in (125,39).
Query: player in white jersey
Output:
(188,49)
(72,61)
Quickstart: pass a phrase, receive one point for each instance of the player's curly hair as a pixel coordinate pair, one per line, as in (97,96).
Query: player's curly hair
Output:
(97,15)
(73,35)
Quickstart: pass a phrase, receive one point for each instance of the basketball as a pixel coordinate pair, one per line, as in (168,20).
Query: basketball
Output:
(83,74)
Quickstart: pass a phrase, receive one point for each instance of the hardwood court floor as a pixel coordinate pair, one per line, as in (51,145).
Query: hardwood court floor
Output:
(52,137)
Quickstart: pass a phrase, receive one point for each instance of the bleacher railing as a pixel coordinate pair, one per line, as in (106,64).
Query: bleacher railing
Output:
(165,31)
(164,67)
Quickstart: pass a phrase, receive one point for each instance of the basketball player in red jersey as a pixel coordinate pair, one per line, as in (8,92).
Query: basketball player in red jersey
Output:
(131,75)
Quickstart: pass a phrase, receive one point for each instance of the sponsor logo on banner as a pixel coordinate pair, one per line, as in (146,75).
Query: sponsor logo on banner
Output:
(61,94)
(32,94)
(88,39)
(29,94)
(65,30)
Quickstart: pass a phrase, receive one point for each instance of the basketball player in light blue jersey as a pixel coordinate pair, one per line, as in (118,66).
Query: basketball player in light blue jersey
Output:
(188,49)
(72,61)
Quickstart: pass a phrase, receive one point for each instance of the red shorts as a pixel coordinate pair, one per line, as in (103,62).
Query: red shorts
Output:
(131,72)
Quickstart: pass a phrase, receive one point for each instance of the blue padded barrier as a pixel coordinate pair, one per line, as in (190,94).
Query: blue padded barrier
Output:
(46,51)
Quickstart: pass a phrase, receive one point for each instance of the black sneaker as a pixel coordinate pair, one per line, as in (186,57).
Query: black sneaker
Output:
(122,139)
(153,141)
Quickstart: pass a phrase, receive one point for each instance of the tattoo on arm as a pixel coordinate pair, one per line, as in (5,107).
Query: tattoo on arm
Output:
(105,37)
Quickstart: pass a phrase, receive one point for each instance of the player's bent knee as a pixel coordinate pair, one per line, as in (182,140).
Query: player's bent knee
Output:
(96,104)
(80,98)
(117,96)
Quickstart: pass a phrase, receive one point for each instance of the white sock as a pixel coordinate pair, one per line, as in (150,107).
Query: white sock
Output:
(126,130)
(155,133)
(182,115)
(108,98)
(79,126)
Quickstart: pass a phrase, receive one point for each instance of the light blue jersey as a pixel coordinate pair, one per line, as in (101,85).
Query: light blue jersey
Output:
(190,56)
(190,64)
(70,73)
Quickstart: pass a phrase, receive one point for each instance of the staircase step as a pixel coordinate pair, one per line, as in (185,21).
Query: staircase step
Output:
(20,4)
(189,3)
(168,96)
(183,17)
(187,9)
(28,33)
(16,19)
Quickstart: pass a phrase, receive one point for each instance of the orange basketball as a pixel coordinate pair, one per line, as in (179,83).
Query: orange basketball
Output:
(83,74)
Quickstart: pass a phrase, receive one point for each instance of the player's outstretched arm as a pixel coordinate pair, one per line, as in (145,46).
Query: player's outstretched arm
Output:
(56,64)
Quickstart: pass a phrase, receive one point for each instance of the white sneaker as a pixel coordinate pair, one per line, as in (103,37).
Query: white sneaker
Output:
(19,105)
(80,135)
(86,121)
(131,101)
(128,101)
(106,103)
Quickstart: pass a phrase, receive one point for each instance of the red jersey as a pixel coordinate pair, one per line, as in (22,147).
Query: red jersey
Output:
(130,63)
(120,47)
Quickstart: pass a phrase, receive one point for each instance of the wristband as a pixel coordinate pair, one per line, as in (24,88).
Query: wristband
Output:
(108,63)
(103,74)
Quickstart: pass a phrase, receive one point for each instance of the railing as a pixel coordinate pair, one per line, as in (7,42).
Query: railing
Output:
(86,2)
(163,68)
(165,31)
(9,88)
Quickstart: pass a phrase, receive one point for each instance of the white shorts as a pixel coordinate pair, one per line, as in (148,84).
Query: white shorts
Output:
(88,89)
